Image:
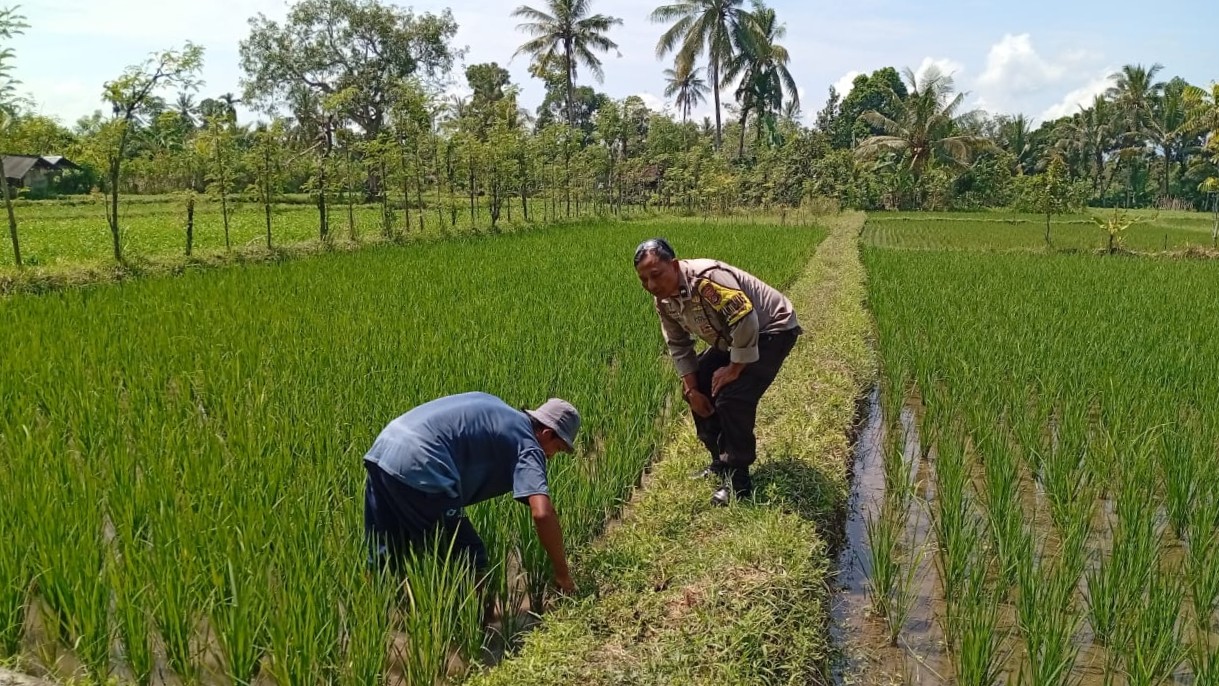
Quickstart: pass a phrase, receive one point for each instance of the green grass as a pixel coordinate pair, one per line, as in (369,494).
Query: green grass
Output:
(189,448)
(679,592)
(1004,232)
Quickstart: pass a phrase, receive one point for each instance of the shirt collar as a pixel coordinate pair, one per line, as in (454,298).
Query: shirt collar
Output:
(683,285)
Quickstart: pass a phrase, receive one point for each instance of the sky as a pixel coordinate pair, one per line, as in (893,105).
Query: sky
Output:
(1041,58)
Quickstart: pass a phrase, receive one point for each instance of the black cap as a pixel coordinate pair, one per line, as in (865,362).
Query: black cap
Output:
(654,245)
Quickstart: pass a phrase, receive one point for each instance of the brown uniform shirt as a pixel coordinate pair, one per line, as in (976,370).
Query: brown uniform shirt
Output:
(726,307)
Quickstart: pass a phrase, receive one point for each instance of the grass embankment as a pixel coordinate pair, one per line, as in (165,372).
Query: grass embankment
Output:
(679,592)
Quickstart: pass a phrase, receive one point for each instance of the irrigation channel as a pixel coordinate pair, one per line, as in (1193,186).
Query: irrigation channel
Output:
(889,628)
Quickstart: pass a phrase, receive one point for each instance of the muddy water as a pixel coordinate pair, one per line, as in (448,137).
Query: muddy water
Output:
(866,656)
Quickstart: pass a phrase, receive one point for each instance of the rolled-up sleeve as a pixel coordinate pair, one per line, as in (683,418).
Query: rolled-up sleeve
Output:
(680,342)
(744,336)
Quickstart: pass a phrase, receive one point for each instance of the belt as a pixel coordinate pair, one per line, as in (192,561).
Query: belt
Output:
(795,331)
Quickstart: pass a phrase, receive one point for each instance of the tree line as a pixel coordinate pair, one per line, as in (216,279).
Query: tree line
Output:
(354,102)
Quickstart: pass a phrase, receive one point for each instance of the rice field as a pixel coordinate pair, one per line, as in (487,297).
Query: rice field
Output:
(1044,505)
(57,235)
(182,470)
(1150,232)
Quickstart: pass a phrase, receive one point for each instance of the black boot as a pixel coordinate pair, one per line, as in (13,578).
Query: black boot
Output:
(737,485)
(717,468)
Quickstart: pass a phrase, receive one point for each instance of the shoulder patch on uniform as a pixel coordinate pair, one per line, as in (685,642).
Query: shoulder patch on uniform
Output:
(731,303)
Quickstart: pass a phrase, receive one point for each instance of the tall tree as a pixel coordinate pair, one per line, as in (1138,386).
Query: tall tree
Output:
(133,95)
(761,65)
(12,25)
(1015,135)
(685,83)
(927,126)
(699,26)
(1092,133)
(487,83)
(881,91)
(360,50)
(267,159)
(1172,129)
(567,31)
(186,108)
(1135,91)
(218,143)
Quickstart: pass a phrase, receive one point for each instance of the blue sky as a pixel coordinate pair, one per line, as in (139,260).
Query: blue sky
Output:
(1038,57)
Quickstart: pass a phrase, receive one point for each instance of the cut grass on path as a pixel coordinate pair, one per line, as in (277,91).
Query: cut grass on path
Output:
(679,592)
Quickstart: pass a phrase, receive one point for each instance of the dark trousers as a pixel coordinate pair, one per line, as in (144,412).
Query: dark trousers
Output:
(728,433)
(398,519)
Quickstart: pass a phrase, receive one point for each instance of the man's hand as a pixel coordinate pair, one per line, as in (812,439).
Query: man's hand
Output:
(546,521)
(565,583)
(724,376)
(700,404)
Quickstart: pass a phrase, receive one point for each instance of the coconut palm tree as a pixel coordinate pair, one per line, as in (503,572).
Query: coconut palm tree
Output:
(1135,91)
(1015,135)
(186,107)
(1173,130)
(926,127)
(685,81)
(567,35)
(1093,134)
(761,65)
(698,26)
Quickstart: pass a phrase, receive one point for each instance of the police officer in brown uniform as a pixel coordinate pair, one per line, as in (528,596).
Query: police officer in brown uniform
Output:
(749,328)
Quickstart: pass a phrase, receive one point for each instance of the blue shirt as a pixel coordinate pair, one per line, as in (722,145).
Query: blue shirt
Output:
(471,446)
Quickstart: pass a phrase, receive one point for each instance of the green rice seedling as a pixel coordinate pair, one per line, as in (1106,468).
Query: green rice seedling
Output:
(73,572)
(304,622)
(175,573)
(1203,658)
(884,540)
(1202,560)
(901,455)
(1116,584)
(1156,644)
(16,571)
(955,524)
(240,611)
(1179,466)
(1047,618)
(441,614)
(128,578)
(1004,513)
(368,599)
(978,654)
(1066,479)
(895,568)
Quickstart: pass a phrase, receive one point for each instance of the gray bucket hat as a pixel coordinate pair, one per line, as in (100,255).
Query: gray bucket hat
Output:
(559,415)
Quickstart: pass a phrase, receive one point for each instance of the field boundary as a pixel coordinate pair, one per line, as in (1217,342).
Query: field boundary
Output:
(678,592)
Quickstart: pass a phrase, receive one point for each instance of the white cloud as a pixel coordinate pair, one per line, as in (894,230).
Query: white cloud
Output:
(947,67)
(1013,66)
(846,82)
(652,102)
(1080,97)
(1018,78)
